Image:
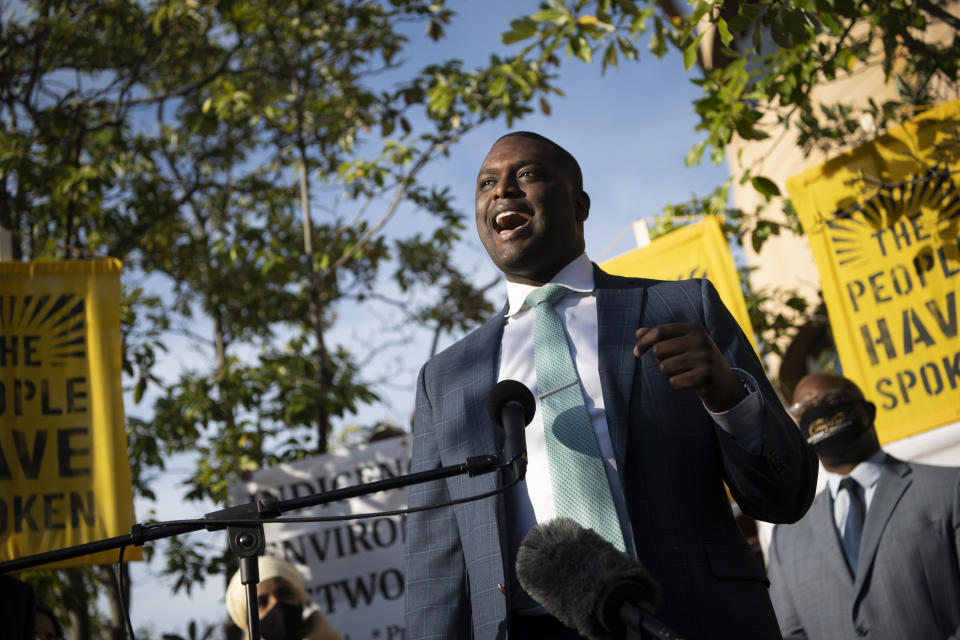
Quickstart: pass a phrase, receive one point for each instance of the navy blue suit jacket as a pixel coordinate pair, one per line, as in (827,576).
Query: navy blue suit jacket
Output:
(671,455)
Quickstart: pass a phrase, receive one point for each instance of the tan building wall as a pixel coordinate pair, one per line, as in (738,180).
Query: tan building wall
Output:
(785,261)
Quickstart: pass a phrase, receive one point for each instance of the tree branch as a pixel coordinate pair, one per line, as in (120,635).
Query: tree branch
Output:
(401,191)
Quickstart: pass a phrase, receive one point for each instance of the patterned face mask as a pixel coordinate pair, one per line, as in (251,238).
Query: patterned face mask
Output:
(830,429)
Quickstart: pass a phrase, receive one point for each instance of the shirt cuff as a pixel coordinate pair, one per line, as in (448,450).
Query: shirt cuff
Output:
(744,422)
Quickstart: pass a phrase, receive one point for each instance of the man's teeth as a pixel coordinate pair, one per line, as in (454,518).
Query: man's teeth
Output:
(510,220)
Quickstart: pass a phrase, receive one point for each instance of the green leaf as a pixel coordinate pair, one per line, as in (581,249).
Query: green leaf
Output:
(520,29)
(552,15)
(828,18)
(795,23)
(638,24)
(690,53)
(626,48)
(798,303)
(579,46)
(745,127)
(695,155)
(766,186)
(139,389)
(435,30)
(779,33)
(699,11)
(658,41)
(846,8)
(725,36)
(610,56)
(747,14)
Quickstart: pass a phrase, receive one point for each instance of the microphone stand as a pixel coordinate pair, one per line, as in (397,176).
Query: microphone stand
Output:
(640,625)
(244,525)
(623,609)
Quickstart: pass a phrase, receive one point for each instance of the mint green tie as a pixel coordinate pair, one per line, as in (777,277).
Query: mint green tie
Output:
(580,487)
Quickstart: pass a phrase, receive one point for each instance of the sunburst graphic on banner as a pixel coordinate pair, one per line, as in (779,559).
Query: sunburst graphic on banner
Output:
(848,237)
(850,228)
(59,319)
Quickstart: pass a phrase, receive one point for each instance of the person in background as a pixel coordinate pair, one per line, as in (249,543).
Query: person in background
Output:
(877,554)
(649,397)
(281,600)
(17,604)
(47,627)
(386,431)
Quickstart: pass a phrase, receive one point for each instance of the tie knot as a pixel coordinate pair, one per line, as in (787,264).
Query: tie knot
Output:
(549,293)
(850,484)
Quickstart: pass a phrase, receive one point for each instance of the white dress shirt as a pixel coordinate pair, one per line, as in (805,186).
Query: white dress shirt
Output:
(531,501)
(867,473)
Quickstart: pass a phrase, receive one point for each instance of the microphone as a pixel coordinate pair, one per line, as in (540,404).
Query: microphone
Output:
(589,585)
(511,406)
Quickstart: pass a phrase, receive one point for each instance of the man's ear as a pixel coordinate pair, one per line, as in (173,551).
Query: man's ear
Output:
(582,203)
(871,410)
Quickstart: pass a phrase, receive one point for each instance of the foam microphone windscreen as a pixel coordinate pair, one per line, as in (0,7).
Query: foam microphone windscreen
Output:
(571,570)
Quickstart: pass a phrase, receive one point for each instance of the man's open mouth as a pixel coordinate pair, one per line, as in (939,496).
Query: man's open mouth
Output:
(507,222)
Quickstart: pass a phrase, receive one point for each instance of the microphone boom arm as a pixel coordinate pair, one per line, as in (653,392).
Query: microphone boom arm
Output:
(266,508)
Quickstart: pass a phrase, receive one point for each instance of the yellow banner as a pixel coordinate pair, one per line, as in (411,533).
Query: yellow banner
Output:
(882,222)
(696,251)
(64,471)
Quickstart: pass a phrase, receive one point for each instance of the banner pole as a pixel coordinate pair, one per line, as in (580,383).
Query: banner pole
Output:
(6,245)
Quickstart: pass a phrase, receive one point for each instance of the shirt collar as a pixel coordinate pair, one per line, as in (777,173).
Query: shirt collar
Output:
(577,276)
(867,473)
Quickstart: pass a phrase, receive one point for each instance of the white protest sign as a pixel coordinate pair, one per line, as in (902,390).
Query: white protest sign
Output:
(353,569)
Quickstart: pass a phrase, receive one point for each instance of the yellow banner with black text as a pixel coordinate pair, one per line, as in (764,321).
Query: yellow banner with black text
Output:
(698,250)
(882,221)
(64,470)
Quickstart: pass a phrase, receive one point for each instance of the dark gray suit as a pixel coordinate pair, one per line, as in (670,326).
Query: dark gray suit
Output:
(671,456)
(908,582)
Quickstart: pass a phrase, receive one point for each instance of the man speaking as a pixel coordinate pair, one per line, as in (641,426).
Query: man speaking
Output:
(648,398)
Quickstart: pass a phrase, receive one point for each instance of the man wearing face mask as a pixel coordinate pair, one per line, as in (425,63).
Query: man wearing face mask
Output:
(876,556)
(281,598)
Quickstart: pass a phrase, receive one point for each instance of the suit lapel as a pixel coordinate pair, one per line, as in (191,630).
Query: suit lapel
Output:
(479,374)
(478,371)
(893,482)
(618,318)
(827,539)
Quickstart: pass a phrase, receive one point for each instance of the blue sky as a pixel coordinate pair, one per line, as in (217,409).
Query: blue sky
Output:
(630,131)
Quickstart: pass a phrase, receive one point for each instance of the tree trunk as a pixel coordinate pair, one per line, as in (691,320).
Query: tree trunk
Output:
(314,284)
(107,576)
(77,609)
